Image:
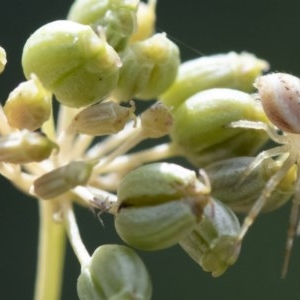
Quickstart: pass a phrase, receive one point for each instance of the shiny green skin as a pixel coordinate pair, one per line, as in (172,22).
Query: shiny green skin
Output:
(72,62)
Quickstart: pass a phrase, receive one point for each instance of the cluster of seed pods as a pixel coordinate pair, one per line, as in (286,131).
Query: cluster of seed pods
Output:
(205,108)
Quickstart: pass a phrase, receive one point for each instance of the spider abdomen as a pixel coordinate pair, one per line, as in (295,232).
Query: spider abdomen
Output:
(280,97)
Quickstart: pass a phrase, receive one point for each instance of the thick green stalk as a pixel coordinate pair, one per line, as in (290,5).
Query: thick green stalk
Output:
(51,252)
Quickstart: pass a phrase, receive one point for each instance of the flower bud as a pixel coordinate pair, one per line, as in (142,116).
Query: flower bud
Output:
(159,204)
(213,243)
(28,105)
(24,147)
(71,61)
(146,18)
(114,272)
(202,122)
(61,180)
(116,17)
(156,121)
(2,59)
(225,178)
(231,70)
(149,68)
(102,119)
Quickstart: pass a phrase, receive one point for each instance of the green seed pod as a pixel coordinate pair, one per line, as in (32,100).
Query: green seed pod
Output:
(202,122)
(158,204)
(146,18)
(157,183)
(157,227)
(102,119)
(2,59)
(61,180)
(244,143)
(71,61)
(231,70)
(116,17)
(213,244)
(149,68)
(240,196)
(24,147)
(114,273)
(28,105)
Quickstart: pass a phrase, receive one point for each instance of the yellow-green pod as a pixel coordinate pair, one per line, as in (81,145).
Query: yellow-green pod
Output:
(29,105)
(3,60)
(202,121)
(117,18)
(24,147)
(149,68)
(230,70)
(71,61)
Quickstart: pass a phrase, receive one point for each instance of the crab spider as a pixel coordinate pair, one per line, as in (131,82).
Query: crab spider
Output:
(280,97)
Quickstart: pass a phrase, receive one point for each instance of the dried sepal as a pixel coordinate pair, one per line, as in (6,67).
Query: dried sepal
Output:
(213,243)
(156,121)
(28,105)
(24,147)
(102,119)
(61,180)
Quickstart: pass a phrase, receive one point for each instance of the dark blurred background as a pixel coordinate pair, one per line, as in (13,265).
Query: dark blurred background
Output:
(268,28)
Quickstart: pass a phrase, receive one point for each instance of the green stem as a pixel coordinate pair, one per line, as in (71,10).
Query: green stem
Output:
(51,252)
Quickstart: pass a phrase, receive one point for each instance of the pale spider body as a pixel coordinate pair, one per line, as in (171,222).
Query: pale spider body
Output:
(280,97)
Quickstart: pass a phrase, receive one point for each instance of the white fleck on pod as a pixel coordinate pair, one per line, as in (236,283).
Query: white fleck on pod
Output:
(3,59)
(62,179)
(280,97)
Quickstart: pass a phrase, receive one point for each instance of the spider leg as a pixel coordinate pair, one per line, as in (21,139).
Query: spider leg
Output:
(258,160)
(271,131)
(261,201)
(292,229)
